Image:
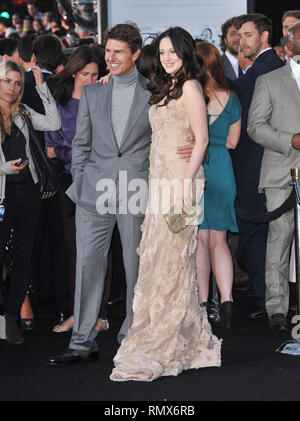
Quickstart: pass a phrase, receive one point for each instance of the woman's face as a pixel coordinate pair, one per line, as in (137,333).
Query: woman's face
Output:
(88,74)
(10,87)
(168,57)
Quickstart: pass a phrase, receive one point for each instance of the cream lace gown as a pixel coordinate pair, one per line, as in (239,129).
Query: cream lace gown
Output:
(170,331)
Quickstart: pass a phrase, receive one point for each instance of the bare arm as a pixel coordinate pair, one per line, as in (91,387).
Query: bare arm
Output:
(196,109)
(233,135)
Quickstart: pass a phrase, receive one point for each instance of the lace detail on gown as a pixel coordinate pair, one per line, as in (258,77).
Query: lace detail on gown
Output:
(170,331)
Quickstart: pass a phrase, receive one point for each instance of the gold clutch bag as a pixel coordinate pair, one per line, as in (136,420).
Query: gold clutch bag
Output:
(177,221)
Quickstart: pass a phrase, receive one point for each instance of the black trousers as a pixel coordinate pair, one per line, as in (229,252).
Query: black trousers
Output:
(253,245)
(22,209)
(49,257)
(67,208)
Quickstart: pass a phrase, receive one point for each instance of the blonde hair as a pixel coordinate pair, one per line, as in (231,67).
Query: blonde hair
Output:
(5,67)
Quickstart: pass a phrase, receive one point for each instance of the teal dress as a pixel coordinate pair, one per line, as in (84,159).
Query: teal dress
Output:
(220,188)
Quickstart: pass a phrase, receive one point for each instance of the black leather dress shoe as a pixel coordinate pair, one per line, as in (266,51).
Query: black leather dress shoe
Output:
(258,313)
(72,357)
(278,322)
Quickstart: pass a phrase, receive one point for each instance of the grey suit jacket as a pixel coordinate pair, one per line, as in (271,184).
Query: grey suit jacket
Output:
(95,152)
(274,118)
(228,69)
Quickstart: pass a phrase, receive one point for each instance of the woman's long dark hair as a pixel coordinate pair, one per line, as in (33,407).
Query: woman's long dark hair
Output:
(161,83)
(65,80)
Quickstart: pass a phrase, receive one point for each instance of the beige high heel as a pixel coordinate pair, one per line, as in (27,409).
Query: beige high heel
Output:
(67,325)
(64,326)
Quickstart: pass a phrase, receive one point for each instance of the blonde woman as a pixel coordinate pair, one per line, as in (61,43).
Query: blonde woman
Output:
(19,187)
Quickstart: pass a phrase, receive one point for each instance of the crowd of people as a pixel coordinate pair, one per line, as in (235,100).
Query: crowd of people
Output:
(36,23)
(225,126)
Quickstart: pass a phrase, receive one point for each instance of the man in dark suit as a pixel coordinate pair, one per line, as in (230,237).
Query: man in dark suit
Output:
(230,44)
(47,54)
(49,275)
(255,31)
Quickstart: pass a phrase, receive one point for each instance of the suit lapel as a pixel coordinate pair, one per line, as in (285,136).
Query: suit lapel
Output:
(140,100)
(291,84)
(228,69)
(104,102)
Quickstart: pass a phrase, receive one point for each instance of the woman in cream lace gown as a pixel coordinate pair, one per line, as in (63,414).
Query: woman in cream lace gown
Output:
(170,331)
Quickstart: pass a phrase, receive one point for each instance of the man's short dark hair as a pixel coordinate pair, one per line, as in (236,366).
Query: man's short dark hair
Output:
(291,13)
(224,28)
(25,45)
(47,50)
(126,32)
(28,17)
(8,47)
(261,22)
(49,16)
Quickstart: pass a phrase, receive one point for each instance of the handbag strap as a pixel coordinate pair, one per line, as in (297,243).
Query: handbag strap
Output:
(33,139)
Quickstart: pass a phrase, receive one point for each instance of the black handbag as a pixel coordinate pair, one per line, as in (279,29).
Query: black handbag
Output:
(48,177)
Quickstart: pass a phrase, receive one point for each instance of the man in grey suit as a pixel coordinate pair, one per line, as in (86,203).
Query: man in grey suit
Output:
(274,123)
(110,153)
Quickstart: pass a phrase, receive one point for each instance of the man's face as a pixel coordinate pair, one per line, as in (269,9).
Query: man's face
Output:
(19,28)
(252,43)
(287,23)
(294,46)
(232,40)
(27,25)
(31,10)
(14,18)
(119,58)
(45,21)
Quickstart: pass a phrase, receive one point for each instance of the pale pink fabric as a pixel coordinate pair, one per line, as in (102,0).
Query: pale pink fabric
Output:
(170,331)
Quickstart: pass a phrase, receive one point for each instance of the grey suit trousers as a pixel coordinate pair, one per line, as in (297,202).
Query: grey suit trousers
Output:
(280,237)
(93,238)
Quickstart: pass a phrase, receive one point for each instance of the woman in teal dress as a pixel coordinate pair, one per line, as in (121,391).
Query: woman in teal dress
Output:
(224,119)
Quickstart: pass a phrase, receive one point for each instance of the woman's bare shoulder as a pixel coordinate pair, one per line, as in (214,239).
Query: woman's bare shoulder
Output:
(192,87)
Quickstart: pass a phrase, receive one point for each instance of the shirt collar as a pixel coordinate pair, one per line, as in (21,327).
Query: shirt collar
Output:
(263,51)
(232,58)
